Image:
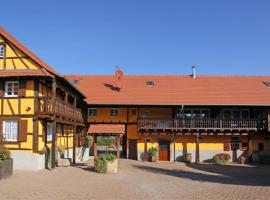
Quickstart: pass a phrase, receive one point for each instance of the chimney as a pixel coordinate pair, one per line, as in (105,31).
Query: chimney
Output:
(119,79)
(193,71)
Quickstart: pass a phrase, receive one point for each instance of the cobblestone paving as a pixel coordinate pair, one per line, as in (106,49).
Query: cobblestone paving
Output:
(139,180)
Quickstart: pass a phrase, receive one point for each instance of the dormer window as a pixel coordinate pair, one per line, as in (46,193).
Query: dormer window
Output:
(75,81)
(267,84)
(150,83)
(2,51)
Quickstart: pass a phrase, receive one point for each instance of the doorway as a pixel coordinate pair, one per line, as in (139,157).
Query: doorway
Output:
(132,150)
(164,150)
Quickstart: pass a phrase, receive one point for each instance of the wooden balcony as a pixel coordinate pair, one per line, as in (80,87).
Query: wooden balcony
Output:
(62,109)
(202,124)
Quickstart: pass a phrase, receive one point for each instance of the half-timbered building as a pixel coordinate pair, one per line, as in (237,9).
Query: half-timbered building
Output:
(39,108)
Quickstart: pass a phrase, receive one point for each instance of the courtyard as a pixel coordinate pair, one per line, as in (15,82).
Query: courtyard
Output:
(141,180)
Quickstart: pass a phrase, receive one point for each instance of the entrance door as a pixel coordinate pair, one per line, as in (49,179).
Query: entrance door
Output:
(164,150)
(132,150)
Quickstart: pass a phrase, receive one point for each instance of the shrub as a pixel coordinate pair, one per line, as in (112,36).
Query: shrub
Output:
(4,152)
(88,141)
(61,150)
(102,161)
(153,151)
(221,159)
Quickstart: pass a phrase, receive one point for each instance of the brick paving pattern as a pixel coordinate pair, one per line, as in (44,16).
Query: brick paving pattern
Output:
(139,180)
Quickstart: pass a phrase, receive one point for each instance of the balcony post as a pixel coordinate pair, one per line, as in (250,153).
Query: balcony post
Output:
(74,144)
(250,147)
(197,156)
(53,160)
(35,120)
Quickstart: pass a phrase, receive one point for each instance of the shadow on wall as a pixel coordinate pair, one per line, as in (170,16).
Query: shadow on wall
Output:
(234,175)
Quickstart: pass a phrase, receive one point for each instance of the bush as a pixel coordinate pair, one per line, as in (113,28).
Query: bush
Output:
(101,162)
(61,151)
(153,151)
(5,154)
(221,159)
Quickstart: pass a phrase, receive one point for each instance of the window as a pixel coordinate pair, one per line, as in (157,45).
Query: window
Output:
(267,84)
(133,112)
(245,114)
(75,82)
(11,88)
(150,83)
(2,51)
(49,131)
(114,112)
(10,130)
(92,112)
(146,115)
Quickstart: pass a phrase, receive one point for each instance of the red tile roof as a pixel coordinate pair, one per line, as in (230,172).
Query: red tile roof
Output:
(45,68)
(110,129)
(175,90)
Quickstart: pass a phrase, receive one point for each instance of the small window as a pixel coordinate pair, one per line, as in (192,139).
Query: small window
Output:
(245,114)
(75,82)
(10,130)
(150,83)
(92,112)
(49,132)
(114,112)
(11,88)
(146,115)
(2,51)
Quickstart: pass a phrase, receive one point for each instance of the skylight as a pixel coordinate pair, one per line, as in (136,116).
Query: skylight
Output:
(150,83)
(75,82)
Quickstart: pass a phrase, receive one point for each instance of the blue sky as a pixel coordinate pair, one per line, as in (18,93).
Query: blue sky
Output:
(144,36)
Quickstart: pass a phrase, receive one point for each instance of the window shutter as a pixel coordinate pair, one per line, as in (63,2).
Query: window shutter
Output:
(22,88)
(2,88)
(22,135)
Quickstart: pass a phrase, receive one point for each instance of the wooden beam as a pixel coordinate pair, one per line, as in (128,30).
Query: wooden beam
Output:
(95,146)
(117,146)
(145,150)
(53,125)
(35,123)
(74,145)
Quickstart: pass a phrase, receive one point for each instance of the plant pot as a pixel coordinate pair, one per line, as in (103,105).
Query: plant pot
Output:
(188,158)
(112,166)
(152,158)
(6,168)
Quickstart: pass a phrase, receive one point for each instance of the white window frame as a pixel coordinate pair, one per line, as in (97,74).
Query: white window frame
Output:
(49,131)
(12,92)
(2,49)
(113,112)
(10,130)
(92,112)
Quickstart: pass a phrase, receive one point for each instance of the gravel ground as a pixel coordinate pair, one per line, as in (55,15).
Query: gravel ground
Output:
(141,180)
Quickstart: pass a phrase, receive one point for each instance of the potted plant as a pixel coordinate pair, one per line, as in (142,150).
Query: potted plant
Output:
(6,162)
(152,152)
(242,160)
(221,159)
(187,158)
(106,163)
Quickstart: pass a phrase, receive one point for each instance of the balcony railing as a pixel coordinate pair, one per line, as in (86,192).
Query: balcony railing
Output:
(203,124)
(62,109)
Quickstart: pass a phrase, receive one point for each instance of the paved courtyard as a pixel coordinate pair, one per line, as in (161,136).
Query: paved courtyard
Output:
(139,180)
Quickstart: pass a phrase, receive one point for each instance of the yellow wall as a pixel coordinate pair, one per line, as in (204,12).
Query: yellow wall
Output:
(15,59)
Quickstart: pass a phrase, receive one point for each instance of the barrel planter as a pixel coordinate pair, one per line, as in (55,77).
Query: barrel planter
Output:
(6,168)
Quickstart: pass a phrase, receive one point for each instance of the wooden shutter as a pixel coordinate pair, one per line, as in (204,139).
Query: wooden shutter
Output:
(2,88)
(22,135)
(22,88)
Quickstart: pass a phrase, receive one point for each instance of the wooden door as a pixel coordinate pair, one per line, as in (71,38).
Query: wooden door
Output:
(164,150)
(132,150)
